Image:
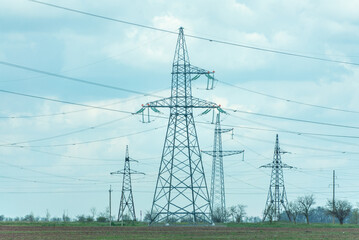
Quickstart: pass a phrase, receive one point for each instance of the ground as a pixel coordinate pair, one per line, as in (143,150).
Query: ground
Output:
(230,231)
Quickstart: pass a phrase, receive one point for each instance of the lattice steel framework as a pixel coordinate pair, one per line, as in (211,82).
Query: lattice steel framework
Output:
(277,196)
(217,194)
(181,192)
(126,194)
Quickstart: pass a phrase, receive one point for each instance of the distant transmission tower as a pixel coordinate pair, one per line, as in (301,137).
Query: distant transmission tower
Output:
(181,192)
(218,198)
(126,194)
(277,196)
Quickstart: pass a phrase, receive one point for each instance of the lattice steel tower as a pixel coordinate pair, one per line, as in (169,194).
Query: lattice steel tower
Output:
(126,194)
(218,198)
(277,197)
(181,192)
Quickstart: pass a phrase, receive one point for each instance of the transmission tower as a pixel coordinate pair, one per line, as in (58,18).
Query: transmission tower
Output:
(218,198)
(126,194)
(181,192)
(277,196)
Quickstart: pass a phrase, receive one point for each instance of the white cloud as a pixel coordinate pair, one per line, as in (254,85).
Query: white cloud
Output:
(322,28)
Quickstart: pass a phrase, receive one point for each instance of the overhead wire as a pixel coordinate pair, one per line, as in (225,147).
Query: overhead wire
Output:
(46,182)
(287,100)
(291,119)
(75,111)
(51,174)
(301,147)
(128,112)
(71,157)
(286,53)
(86,142)
(68,133)
(63,101)
(121,111)
(83,81)
(305,134)
(281,130)
(229,44)
(276,129)
(92,63)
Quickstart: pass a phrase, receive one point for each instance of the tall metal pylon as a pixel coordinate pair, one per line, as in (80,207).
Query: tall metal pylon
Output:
(277,196)
(218,198)
(126,193)
(181,192)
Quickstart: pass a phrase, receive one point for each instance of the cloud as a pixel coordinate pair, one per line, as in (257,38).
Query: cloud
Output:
(59,41)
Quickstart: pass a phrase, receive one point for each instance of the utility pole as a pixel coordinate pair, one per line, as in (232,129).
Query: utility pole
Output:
(217,194)
(181,192)
(126,194)
(333,196)
(110,217)
(277,196)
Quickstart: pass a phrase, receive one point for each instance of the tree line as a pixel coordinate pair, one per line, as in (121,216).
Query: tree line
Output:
(301,210)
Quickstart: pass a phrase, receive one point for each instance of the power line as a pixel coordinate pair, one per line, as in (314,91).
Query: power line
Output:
(144,191)
(228,109)
(282,130)
(62,101)
(303,147)
(104,17)
(306,134)
(83,158)
(115,110)
(288,100)
(49,174)
(292,119)
(75,79)
(287,53)
(44,182)
(91,63)
(237,179)
(75,111)
(69,156)
(67,134)
(86,142)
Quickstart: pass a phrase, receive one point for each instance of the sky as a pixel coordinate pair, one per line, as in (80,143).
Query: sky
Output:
(58,157)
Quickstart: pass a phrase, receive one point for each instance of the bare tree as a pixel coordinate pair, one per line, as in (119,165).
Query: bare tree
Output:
(342,209)
(354,218)
(305,205)
(218,215)
(237,212)
(269,213)
(293,210)
(29,218)
(65,217)
(93,212)
(47,215)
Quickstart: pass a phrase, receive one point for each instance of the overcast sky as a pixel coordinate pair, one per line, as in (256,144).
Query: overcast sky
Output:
(59,156)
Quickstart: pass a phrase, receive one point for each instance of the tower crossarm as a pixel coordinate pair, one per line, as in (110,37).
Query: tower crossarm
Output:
(283,165)
(193,103)
(224,130)
(223,153)
(131,172)
(132,160)
(200,103)
(286,166)
(198,70)
(269,165)
(164,102)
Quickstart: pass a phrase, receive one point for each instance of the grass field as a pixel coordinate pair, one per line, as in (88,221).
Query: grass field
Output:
(227,231)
